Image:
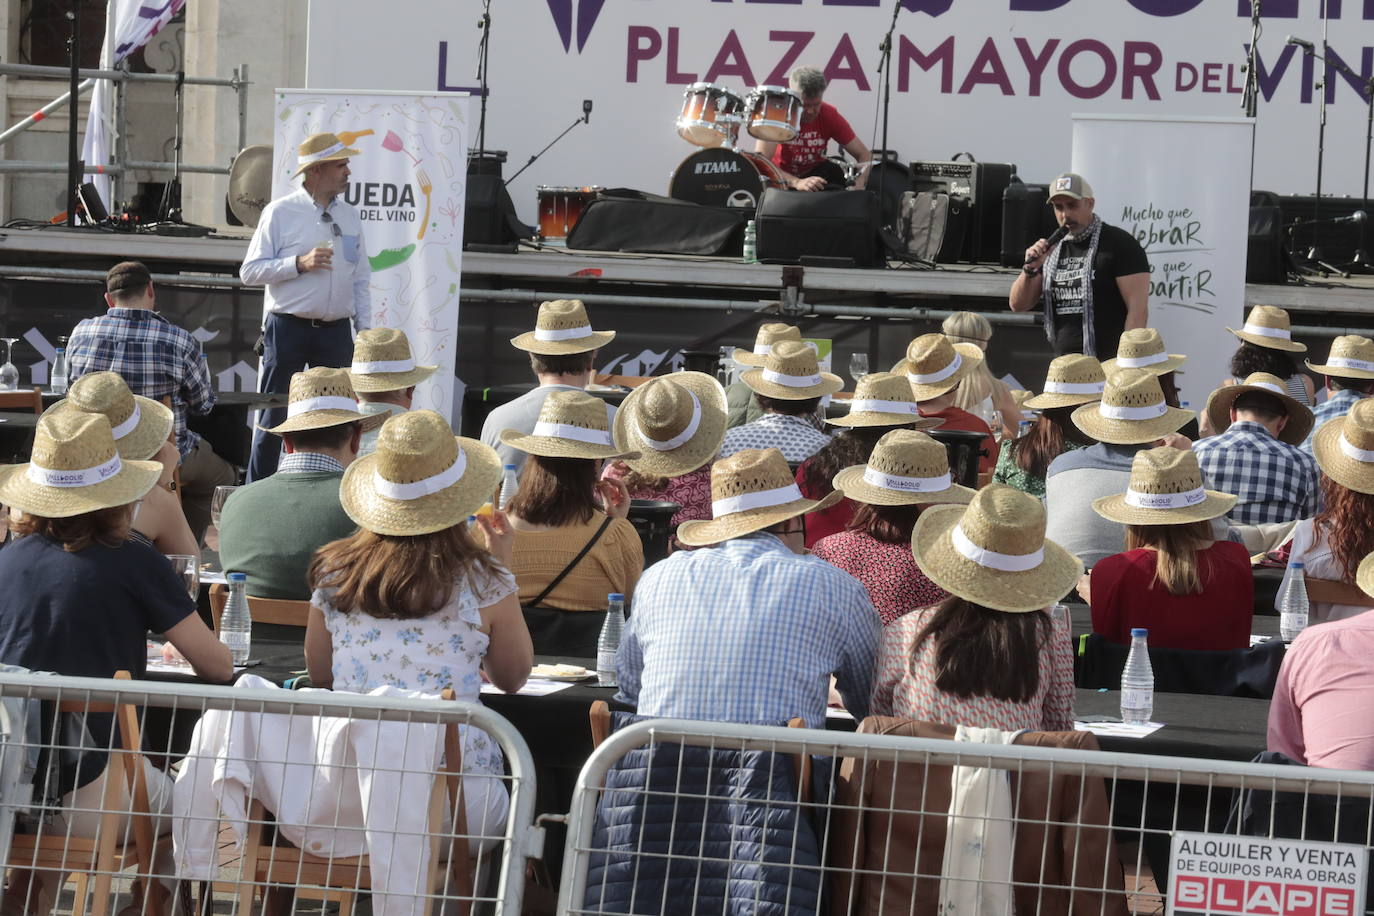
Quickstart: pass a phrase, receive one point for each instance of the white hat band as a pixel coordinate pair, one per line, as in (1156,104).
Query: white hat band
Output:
(554,334)
(1074,387)
(306,405)
(877,406)
(1113,412)
(418,488)
(991,559)
(565,431)
(792,381)
(1267,386)
(322,154)
(1140,362)
(86,477)
(392,365)
(1348,449)
(763,499)
(682,438)
(930,378)
(1345,362)
(1261,330)
(907,484)
(1165,500)
(762,349)
(128,425)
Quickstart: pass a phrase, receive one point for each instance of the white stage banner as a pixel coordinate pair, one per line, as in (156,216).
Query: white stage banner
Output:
(409,186)
(1182,187)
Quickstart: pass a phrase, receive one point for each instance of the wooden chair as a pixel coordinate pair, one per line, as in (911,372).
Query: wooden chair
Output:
(263,610)
(23,399)
(1332,591)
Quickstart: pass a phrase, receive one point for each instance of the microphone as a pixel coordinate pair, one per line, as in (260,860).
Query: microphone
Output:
(1301,43)
(1358,216)
(586,111)
(1055,238)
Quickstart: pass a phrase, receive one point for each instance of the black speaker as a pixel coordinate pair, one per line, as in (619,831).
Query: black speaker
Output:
(982,185)
(1265,258)
(826,228)
(489,218)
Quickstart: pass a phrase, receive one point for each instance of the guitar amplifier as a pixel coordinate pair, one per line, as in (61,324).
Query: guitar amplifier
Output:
(982,183)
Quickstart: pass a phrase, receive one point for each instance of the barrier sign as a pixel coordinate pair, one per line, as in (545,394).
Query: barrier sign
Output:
(1222,874)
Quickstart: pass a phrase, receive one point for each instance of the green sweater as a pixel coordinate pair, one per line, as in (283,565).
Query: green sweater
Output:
(271,528)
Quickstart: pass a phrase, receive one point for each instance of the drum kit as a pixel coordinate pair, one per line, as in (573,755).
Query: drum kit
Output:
(721,174)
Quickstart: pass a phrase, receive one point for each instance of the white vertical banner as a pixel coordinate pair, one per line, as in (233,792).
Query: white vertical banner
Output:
(408,185)
(1181,186)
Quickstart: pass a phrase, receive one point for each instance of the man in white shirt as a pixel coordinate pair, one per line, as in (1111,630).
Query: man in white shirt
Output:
(308,252)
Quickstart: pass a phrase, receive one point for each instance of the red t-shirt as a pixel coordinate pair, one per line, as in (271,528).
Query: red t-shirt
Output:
(796,156)
(1125,595)
(826,522)
(958,418)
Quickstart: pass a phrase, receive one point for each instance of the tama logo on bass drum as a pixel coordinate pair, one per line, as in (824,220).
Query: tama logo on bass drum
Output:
(717,168)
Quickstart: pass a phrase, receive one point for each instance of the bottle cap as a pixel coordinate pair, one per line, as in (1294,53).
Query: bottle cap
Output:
(615,596)
(60,349)
(1139,631)
(509,467)
(237,577)
(1295,564)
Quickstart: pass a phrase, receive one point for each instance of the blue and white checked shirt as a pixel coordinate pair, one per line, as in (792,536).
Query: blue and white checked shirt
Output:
(747,631)
(153,356)
(1338,405)
(308,462)
(1276,482)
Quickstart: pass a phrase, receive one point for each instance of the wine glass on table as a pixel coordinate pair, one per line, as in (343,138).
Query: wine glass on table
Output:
(858,366)
(217,501)
(9,375)
(188,571)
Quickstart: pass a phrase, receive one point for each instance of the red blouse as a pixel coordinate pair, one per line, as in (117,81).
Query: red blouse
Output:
(823,524)
(1125,595)
(888,572)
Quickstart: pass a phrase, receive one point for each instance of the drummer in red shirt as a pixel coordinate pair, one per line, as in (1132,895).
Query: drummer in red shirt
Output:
(802,160)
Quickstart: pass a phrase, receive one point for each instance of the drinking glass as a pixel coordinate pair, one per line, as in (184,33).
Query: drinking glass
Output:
(858,366)
(217,503)
(186,567)
(9,376)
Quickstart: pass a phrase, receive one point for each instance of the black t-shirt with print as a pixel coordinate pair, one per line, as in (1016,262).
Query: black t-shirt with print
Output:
(1118,255)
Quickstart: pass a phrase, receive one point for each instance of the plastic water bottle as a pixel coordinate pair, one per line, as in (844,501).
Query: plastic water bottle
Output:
(608,643)
(1138,681)
(751,243)
(58,378)
(1023,428)
(236,624)
(509,484)
(1291,602)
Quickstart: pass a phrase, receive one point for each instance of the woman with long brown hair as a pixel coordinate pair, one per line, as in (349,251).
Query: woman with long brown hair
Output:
(1072,380)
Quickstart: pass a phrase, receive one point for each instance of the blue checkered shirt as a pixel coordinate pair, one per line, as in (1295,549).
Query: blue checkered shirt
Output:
(307,463)
(1338,405)
(747,631)
(155,358)
(1276,482)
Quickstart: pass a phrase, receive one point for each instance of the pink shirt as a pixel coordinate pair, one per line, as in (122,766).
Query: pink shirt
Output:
(1322,713)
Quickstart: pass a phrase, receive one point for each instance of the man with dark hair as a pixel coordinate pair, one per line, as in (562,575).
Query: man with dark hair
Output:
(157,360)
(802,159)
(1349,374)
(384,374)
(788,389)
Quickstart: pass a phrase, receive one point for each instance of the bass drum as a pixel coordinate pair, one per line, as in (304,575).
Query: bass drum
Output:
(724,178)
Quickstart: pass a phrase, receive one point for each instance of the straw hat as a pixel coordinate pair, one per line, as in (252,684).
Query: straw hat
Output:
(907,468)
(884,399)
(1132,411)
(422,478)
(561,329)
(768,335)
(382,362)
(1352,356)
(75,469)
(1364,576)
(1143,348)
(1269,327)
(319,148)
(751,490)
(572,424)
(321,397)
(1166,488)
(676,422)
(1219,404)
(994,553)
(933,365)
(1344,447)
(1073,379)
(140,425)
(791,372)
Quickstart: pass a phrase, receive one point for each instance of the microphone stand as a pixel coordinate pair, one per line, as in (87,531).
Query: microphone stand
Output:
(1314,262)
(1361,260)
(482,59)
(885,69)
(74,166)
(1249,100)
(585,119)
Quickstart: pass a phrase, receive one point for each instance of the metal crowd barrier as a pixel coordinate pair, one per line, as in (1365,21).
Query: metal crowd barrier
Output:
(152,797)
(684,817)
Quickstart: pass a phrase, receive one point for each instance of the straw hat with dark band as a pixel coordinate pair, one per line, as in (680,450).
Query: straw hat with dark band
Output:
(321,148)
(884,399)
(907,468)
(1165,489)
(1269,327)
(933,365)
(382,361)
(140,425)
(421,478)
(1072,379)
(75,469)
(751,490)
(572,424)
(322,397)
(1132,411)
(994,553)
(675,422)
(562,329)
(1344,447)
(1352,356)
(791,372)
(1299,424)
(1143,348)
(768,335)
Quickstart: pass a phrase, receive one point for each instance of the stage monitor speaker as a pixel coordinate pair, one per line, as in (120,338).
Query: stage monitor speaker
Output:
(91,204)
(489,218)
(1027,217)
(981,184)
(830,227)
(620,219)
(1266,261)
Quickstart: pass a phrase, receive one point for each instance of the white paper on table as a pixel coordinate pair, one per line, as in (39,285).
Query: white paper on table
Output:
(213,577)
(835,712)
(1256,639)
(1118,729)
(534,687)
(161,667)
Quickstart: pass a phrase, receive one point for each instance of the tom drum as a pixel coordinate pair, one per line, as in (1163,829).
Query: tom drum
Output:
(773,114)
(560,209)
(710,115)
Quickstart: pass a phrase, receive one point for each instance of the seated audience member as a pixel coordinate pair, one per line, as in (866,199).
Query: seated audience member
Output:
(906,472)
(1322,713)
(413,583)
(788,388)
(751,629)
(1131,417)
(570,552)
(562,349)
(1266,343)
(384,375)
(271,528)
(1073,380)
(1255,453)
(981,393)
(935,367)
(1143,348)
(739,396)
(141,429)
(1349,375)
(1189,590)
(882,402)
(994,655)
